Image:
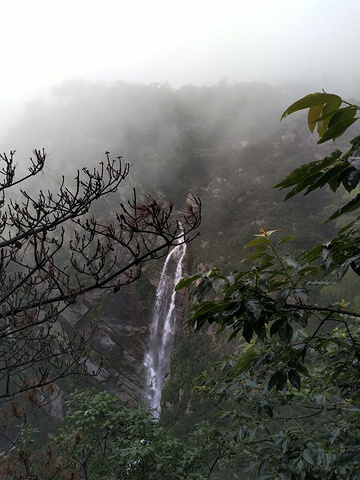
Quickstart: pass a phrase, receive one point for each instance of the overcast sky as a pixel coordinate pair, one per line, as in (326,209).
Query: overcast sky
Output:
(44,42)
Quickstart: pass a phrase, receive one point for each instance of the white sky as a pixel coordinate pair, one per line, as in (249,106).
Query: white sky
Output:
(44,42)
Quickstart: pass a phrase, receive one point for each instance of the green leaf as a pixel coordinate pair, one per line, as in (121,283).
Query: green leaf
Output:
(339,123)
(312,254)
(278,379)
(309,170)
(233,335)
(248,331)
(328,175)
(302,185)
(260,329)
(261,240)
(345,113)
(314,114)
(299,174)
(303,370)
(203,289)
(187,281)
(294,378)
(205,312)
(282,296)
(311,100)
(233,309)
(275,327)
(350,178)
(328,111)
(285,332)
(282,382)
(349,207)
(285,239)
(271,232)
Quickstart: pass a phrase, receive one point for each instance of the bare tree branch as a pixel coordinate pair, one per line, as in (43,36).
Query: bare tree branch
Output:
(53,250)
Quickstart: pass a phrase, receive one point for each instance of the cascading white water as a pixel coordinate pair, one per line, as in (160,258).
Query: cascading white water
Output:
(162,328)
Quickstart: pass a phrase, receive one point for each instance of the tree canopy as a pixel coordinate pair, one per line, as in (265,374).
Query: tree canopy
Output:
(103,439)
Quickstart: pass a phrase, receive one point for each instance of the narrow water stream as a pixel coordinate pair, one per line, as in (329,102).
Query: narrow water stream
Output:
(162,328)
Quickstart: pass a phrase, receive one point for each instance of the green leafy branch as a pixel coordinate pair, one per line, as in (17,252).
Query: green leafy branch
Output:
(331,121)
(326,114)
(333,170)
(291,394)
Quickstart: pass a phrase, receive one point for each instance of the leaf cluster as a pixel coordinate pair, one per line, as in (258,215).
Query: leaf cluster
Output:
(266,304)
(334,170)
(325,114)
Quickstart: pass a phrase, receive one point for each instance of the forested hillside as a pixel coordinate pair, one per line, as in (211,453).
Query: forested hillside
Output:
(223,142)
(226,145)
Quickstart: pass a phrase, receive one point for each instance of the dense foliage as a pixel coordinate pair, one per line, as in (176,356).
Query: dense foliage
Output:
(294,388)
(102,439)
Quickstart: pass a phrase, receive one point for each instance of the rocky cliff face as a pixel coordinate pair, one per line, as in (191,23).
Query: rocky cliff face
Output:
(122,334)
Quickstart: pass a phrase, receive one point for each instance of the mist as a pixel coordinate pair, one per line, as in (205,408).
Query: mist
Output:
(200,43)
(177,90)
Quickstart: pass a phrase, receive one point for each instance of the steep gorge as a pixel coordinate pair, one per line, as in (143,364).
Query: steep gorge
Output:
(123,334)
(225,144)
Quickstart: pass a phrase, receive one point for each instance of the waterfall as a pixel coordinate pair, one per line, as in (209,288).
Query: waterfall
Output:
(162,328)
